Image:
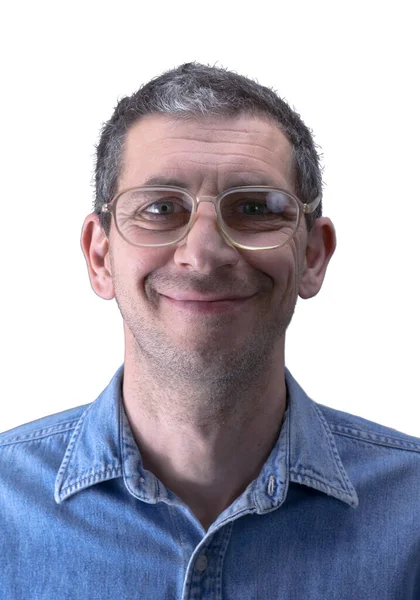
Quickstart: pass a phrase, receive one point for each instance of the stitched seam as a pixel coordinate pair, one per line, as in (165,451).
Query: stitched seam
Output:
(387,442)
(79,482)
(320,482)
(333,451)
(32,438)
(223,546)
(185,558)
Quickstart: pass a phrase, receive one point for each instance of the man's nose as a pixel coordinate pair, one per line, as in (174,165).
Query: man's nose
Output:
(205,248)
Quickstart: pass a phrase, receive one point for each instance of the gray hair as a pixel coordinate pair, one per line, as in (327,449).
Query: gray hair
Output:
(193,91)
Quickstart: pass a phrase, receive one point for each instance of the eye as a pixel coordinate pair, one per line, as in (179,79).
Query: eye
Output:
(253,207)
(165,207)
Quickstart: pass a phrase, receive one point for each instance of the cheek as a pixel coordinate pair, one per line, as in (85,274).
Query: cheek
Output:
(278,265)
(131,266)
(136,261)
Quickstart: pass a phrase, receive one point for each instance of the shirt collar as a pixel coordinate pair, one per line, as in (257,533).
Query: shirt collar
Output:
(314,457)
(102,447)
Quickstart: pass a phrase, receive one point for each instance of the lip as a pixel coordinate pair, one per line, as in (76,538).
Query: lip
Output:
(201,298)
(215,306)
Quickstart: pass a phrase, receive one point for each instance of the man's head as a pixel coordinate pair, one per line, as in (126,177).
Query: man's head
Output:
(194,91)
(169,131)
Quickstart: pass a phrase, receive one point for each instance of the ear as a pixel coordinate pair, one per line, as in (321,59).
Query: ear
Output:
(95,246)
(320,247)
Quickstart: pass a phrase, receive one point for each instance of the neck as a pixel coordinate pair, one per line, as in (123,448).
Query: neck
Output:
(205,442)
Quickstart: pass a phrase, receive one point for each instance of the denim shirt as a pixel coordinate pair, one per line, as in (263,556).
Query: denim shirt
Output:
(333,514)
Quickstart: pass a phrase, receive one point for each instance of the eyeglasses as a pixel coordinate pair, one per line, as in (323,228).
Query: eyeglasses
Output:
(251,218)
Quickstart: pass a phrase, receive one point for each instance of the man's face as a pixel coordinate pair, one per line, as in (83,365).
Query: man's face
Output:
(154,286)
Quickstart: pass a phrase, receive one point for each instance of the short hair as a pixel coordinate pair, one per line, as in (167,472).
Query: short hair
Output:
(193,90)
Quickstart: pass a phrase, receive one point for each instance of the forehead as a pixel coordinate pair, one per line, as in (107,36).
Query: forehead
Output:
(211,152)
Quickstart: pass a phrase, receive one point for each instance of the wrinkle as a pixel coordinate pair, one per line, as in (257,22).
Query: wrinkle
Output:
(230,154)
(236,142)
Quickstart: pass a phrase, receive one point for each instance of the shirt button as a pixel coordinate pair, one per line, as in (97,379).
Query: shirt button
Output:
(201,563)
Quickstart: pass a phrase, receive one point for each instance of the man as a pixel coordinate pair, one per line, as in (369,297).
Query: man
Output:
(203,470)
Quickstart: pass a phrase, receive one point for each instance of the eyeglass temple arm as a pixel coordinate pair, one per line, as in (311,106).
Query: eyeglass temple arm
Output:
(312,206)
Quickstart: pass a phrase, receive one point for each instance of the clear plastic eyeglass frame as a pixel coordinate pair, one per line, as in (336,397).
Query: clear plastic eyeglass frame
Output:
(111,208)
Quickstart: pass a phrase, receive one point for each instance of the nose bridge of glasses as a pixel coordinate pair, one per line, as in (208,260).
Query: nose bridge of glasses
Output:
(216,221)
(206,200)
(213,215)
(209,199)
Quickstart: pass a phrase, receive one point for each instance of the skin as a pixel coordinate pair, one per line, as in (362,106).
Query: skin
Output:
(204,392)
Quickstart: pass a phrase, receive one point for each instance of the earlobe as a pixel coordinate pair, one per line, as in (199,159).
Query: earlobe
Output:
(95,247)
(320,247)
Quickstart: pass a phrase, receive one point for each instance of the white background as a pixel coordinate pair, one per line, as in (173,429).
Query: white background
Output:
(351,69)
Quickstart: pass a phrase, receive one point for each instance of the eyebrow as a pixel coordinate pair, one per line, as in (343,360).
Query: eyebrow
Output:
(161,180)
(238,181)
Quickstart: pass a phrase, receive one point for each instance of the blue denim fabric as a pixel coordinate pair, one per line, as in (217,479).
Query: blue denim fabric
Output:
(334,514)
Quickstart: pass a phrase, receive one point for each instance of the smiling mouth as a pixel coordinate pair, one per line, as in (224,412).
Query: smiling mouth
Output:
(202,298)
(215,305)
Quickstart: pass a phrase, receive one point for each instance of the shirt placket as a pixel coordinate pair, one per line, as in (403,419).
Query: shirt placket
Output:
(203,578)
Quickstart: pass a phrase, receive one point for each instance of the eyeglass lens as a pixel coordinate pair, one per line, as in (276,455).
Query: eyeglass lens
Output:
(252,218)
